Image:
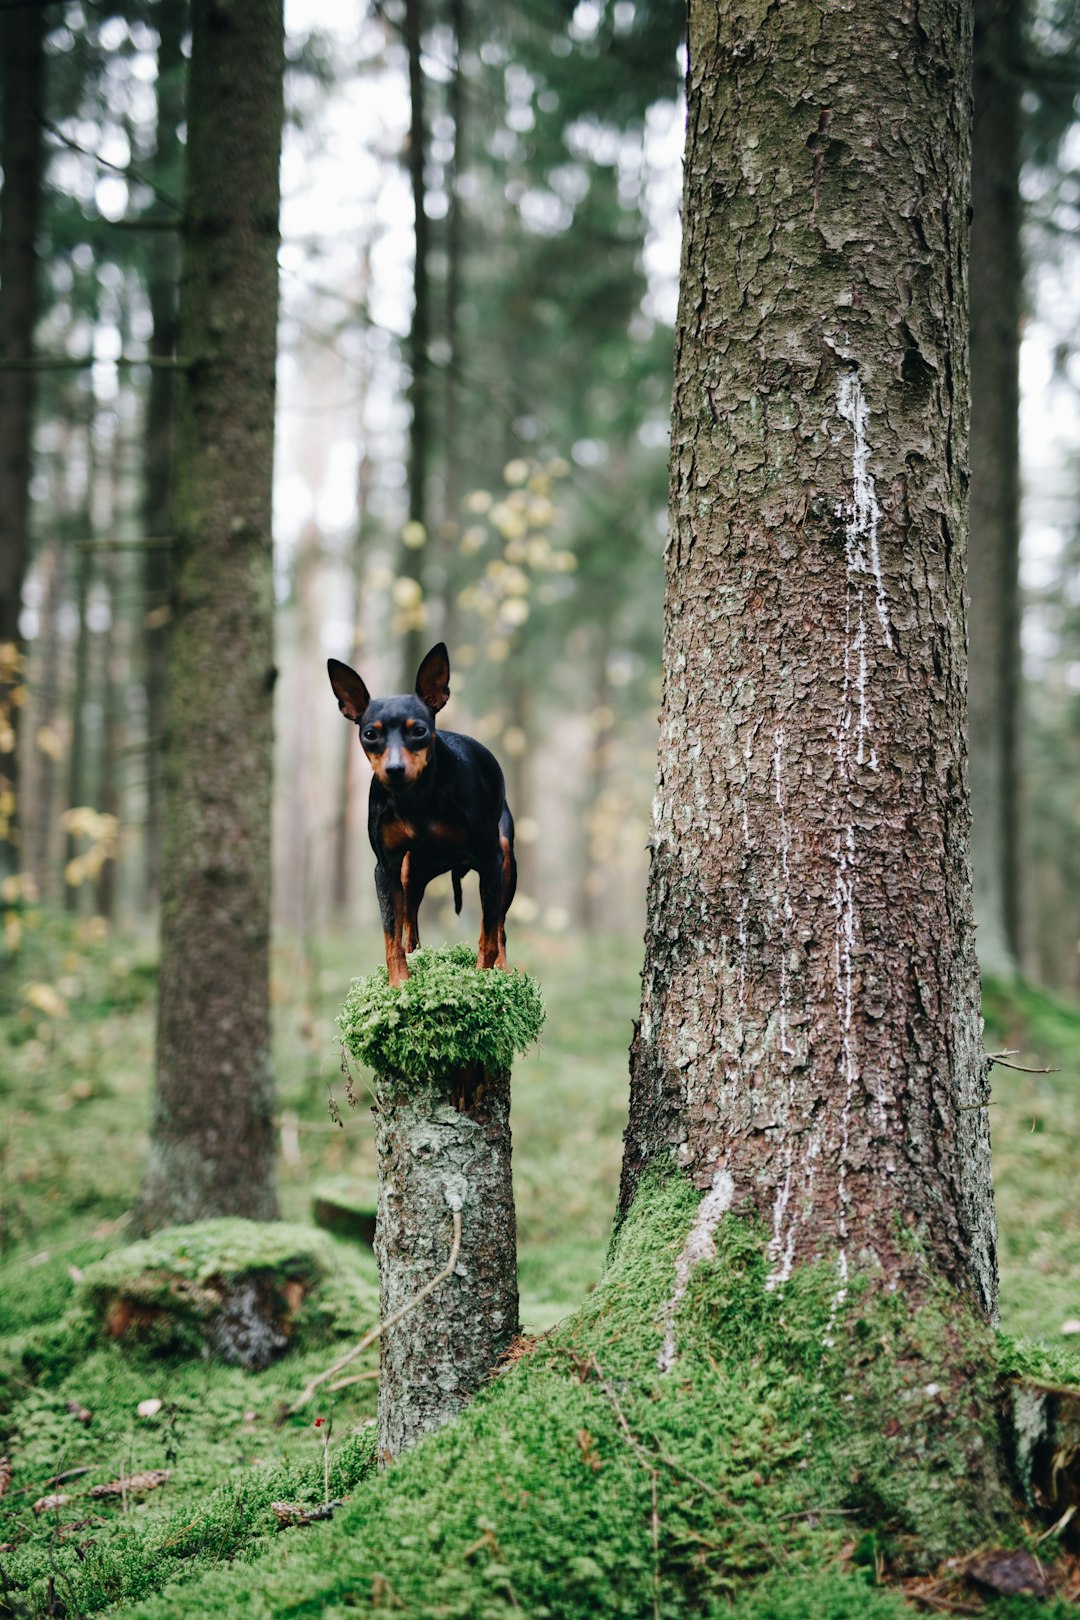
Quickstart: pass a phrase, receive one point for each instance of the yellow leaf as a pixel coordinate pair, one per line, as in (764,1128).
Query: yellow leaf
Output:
(49,743)
(516,471)
(12,931)
(478,501)
(414,535)
(406,592)
(45,998)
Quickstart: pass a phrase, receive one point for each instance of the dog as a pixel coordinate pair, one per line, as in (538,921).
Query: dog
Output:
(437,804)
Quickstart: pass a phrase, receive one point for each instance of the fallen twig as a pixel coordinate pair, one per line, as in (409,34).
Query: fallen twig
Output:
(380,1327)
(1002,1059)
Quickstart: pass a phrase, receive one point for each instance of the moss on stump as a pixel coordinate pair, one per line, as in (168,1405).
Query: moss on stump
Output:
(234,1290)
(448,1016)
(441,1046)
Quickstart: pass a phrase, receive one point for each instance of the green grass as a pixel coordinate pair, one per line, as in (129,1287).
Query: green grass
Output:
(516,1483)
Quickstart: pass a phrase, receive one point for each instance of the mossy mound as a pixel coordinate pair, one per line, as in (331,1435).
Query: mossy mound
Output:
(449,1015)
(232,1289)
(748,1482)
(345,1207)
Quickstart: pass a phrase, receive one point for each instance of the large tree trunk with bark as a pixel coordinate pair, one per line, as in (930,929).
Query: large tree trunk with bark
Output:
(22,55)
(212,1141)
(809,1047)
(997,290)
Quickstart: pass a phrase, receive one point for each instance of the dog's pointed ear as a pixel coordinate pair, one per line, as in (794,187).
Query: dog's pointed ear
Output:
(351,693)
(433,678)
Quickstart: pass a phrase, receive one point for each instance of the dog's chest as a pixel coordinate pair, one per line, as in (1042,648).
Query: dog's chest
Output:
(399,834)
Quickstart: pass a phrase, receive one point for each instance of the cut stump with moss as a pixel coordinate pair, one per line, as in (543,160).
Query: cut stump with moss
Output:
(230,1289)
(441,1046)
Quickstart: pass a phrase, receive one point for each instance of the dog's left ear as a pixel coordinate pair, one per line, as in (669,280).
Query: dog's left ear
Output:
(433,678)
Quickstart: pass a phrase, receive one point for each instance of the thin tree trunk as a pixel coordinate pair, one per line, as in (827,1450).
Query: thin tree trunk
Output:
(46,709)
(349,758)
(411,562)
(212,1138)
(997,290)
(108,796)
(84,577)
(22,57)
(453,487)
(163,276)
(809,1046)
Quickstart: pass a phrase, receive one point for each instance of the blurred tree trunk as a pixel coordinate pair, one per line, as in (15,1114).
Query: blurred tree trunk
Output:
(997,292)
(453,490)
(163,274)
(350,756)
(212,1139)
(45,711)
(80,687)
(108,794)
(411,564)
(809,1048)
(22,54)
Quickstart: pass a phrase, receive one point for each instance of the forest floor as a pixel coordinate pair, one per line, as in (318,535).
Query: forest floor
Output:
(76,1027)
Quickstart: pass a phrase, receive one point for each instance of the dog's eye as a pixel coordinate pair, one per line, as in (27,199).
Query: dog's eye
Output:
(370,734)
(418,732)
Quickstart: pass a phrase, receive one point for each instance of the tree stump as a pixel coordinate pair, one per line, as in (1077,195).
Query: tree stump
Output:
(441,1047)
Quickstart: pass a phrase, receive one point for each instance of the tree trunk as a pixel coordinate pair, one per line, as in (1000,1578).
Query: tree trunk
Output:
(77,794)
(162,278)
(437,1155)
(212,1138)
(411,562)
(809,1047)
(22,54)
(997,288)
(108,794)
(46,709)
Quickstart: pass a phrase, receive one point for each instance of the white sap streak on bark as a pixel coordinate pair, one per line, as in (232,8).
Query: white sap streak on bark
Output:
(699,1245)
(784,850)
(864,512)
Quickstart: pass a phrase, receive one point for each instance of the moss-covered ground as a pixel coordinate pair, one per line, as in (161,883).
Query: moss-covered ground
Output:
(583,1481)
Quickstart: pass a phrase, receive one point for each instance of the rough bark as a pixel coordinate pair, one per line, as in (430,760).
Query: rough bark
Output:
(163,274)
(809,1047)
(436,1155)
(212,1137)
(996,310)
(22,53)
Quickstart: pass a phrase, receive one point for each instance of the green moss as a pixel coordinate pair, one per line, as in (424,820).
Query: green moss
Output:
(1056,1365)
(220,1248)
(166,1292)
(540,1500)
(448,1015)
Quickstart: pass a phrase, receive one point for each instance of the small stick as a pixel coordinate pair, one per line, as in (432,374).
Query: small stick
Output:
(357,1378)
(1002,1058)
(380,1327)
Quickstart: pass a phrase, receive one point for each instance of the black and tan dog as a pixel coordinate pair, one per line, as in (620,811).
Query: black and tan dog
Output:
(438,804)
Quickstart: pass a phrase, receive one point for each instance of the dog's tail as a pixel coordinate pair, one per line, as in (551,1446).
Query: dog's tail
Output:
(455,878)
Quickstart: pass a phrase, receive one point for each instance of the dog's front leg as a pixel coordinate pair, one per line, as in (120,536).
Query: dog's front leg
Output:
(392,909)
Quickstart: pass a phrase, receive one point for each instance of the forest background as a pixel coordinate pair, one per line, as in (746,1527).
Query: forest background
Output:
(471,445)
